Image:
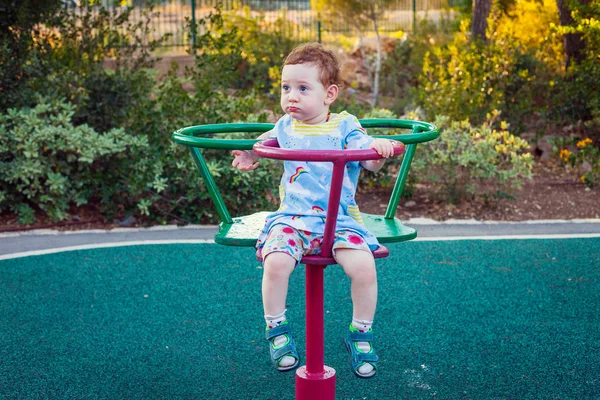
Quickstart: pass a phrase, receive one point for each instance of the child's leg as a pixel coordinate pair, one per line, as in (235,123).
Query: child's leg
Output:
(359,265)
(277,269)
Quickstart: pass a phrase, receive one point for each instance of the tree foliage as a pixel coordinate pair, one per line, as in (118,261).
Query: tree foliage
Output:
(21,16)
(359,14)
(571,12)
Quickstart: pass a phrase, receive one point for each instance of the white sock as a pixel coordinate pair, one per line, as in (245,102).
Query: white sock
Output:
(279,341)
(365,347)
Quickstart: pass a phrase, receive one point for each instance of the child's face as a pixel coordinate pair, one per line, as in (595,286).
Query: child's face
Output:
(303,96)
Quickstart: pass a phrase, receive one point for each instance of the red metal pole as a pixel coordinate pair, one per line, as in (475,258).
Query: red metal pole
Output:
(315,381)
(314,319)
(337,179)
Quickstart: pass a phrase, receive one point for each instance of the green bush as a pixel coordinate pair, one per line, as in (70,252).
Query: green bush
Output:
(47,162)
(20,64)
(159,180)
(83,42)
(263,45)
(185,197)
(470,161)
(399,75)
(386,175)
(576,95)
(401,68)
(469,79)
(23,56)
(585,158)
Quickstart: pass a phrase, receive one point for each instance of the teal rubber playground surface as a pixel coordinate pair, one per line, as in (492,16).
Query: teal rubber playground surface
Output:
(465,319)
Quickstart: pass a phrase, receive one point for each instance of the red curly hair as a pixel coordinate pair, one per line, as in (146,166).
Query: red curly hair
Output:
(325,60)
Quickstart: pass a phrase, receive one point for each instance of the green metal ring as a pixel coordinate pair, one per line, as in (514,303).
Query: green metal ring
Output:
(421,132)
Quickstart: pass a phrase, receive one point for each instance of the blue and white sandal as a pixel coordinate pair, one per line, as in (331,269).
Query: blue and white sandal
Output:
(359,358)
(288,349)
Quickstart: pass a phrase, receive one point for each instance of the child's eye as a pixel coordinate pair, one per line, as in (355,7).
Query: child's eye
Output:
(303,88)
(285,87)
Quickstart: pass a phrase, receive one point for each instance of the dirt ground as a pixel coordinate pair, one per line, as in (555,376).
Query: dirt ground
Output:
(553,193)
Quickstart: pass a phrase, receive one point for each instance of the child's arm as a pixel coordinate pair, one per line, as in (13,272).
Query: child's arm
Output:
(384,148)
(246,160)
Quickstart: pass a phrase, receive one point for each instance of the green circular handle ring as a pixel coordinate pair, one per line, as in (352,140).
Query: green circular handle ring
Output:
(190,136)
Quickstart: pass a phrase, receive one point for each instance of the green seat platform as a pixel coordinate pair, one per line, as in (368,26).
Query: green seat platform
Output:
(244,230)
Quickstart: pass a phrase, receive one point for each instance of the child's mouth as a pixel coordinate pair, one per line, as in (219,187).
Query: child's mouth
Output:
(293,109)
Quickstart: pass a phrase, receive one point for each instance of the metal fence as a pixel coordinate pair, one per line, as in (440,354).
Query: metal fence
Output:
(171,18)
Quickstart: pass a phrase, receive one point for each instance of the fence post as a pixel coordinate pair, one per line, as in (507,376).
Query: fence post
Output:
(194,27)
(319,29)
(414,4)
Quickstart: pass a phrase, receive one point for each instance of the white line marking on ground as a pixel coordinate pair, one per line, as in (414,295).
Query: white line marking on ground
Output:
(510,237)
(159,228)
(102,245)
(210,241)
(427,221)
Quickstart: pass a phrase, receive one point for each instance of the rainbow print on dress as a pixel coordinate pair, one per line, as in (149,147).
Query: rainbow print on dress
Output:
(299,171)
(319,210)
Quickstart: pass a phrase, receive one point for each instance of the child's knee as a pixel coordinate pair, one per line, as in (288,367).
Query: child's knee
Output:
(278,266)
(358,265)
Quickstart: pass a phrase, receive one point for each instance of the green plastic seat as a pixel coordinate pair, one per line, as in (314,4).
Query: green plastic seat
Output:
(244,230)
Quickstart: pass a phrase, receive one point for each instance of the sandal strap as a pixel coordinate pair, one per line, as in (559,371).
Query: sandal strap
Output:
(277,331)
(359,358)
(289,348)
(358,336)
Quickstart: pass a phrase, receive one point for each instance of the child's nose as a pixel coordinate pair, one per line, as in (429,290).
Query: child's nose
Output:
(292,96)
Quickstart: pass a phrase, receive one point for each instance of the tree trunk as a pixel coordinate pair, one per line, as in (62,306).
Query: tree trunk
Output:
(574,44)
(481,11)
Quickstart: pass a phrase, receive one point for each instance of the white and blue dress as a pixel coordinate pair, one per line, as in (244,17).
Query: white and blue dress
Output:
(305,186)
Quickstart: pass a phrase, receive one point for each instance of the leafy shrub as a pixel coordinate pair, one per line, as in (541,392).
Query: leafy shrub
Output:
(529,24)
(49,163)
(583,156)
(469,79)
(576,95)
(18,66)
(399,74)
(350,103)
(22,55)
(470,161)
(80,46)
(579,90)
(386,175)
(185,198)
(159,179)
(264,43)
(113,97)
(401,68)
(466,79)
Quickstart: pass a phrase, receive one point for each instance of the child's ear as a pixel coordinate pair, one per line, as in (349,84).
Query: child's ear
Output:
(331,94)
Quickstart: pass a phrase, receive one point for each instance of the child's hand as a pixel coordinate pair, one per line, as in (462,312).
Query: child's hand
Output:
(383,147)
(244,160)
